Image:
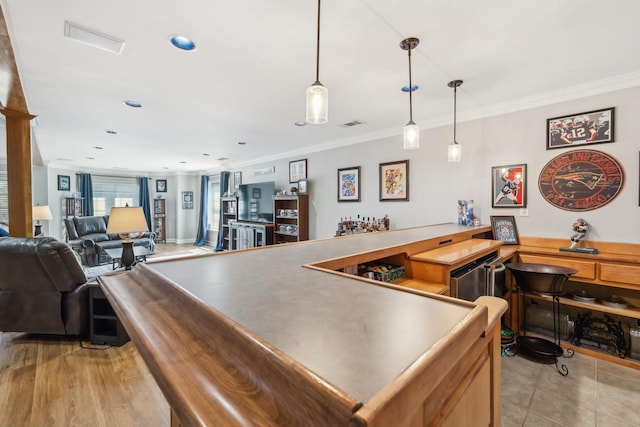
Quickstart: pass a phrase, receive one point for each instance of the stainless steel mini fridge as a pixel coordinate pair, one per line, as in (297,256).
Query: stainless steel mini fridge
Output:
(484,276)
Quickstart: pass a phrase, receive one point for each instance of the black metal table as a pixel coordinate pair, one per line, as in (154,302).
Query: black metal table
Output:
(545,280)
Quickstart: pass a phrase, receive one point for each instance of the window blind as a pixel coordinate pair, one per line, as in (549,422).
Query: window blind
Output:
(114,191)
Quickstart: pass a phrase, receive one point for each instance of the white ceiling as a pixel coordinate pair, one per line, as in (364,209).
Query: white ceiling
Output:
(255,59)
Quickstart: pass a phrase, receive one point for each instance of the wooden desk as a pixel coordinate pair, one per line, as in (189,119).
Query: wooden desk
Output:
(281,344)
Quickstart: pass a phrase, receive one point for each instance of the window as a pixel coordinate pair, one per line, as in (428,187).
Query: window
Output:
(112,191)
(213,204)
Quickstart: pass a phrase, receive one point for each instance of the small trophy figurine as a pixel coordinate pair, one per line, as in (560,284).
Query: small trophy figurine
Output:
(580,228)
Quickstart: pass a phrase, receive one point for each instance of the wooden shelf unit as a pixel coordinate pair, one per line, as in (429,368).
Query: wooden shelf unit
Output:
(615,270)
(229,213)
(160,220)
(74,206)
(104,325)
(289,227)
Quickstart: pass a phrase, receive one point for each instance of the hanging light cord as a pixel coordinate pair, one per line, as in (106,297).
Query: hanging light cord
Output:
(455,90)
(318,48)
(410,88)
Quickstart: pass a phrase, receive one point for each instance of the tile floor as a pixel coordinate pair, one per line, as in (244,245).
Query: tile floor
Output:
(595,393)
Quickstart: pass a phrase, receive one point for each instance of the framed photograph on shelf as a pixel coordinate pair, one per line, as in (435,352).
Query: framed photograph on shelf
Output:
(302,186)
(297,170)
(64,183)
(509,186)
(394,181)
(256,193)
(349,184)
(161,185)
(504,229)
(590,127)
(187,200)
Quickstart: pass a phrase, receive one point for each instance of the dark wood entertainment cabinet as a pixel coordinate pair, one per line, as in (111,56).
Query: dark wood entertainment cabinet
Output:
(104,325)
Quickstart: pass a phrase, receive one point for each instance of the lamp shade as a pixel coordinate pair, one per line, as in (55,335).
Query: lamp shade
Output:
(411,136)
(455,152)
(42,213)
(127,220)
(317,104)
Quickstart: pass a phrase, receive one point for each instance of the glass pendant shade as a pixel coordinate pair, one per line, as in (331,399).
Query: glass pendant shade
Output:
(411,136)
(455,152)
(317,104)
(455,149)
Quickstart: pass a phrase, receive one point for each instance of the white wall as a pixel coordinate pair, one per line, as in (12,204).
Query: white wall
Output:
(436,185)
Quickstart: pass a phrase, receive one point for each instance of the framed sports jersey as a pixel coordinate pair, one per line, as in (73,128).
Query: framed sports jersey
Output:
(591,127)
(509,186)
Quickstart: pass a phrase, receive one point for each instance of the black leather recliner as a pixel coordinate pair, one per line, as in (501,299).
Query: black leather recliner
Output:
(88,236)
(42,287)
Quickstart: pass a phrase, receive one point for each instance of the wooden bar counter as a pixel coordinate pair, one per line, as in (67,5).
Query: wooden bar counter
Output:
(263,337)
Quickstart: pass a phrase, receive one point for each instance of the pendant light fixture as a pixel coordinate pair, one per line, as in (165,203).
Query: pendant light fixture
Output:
(455,149)
(411,130)
(317,94)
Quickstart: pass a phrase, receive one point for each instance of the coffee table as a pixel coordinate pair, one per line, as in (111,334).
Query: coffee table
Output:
(140,253)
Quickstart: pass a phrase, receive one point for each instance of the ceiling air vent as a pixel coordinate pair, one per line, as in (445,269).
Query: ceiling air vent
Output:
(352,124)
(93,38)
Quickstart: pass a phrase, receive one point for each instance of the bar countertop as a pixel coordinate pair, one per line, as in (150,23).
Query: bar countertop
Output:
(355,335)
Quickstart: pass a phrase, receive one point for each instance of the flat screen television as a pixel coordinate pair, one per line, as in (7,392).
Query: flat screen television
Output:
(255,201)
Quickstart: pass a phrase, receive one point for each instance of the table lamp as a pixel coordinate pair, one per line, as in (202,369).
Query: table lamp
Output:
(41,213)
(124,221)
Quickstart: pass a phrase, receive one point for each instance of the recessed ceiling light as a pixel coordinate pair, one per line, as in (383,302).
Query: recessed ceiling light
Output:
(413,88)
(98,148)
(183,162)
(64,160)
(91,158)
(300,123)
(182,43)
(206,154)
(165,167)
(221,159)
(111,132)
(133,104)
(242,143)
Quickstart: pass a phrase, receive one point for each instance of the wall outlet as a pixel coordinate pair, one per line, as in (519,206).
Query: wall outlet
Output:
(524,211)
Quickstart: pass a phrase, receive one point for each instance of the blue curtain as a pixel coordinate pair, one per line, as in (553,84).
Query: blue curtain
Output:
(201,238)
(86,191)
(145,201)
(224,184)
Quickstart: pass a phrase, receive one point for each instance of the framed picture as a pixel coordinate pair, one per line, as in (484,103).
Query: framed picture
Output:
(394,181)
(349,184)
(187,200)
(64,183)
(591,127)
(256,193)
(237,179)
(161,185)
(509,186)
(297,170)
(504,229)
(302,186)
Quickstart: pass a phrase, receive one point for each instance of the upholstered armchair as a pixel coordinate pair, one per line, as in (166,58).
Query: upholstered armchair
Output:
(88,236)
(42,287)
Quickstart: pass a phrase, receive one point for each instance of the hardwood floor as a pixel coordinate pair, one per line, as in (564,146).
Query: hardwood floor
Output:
(58,382)
(53,381)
